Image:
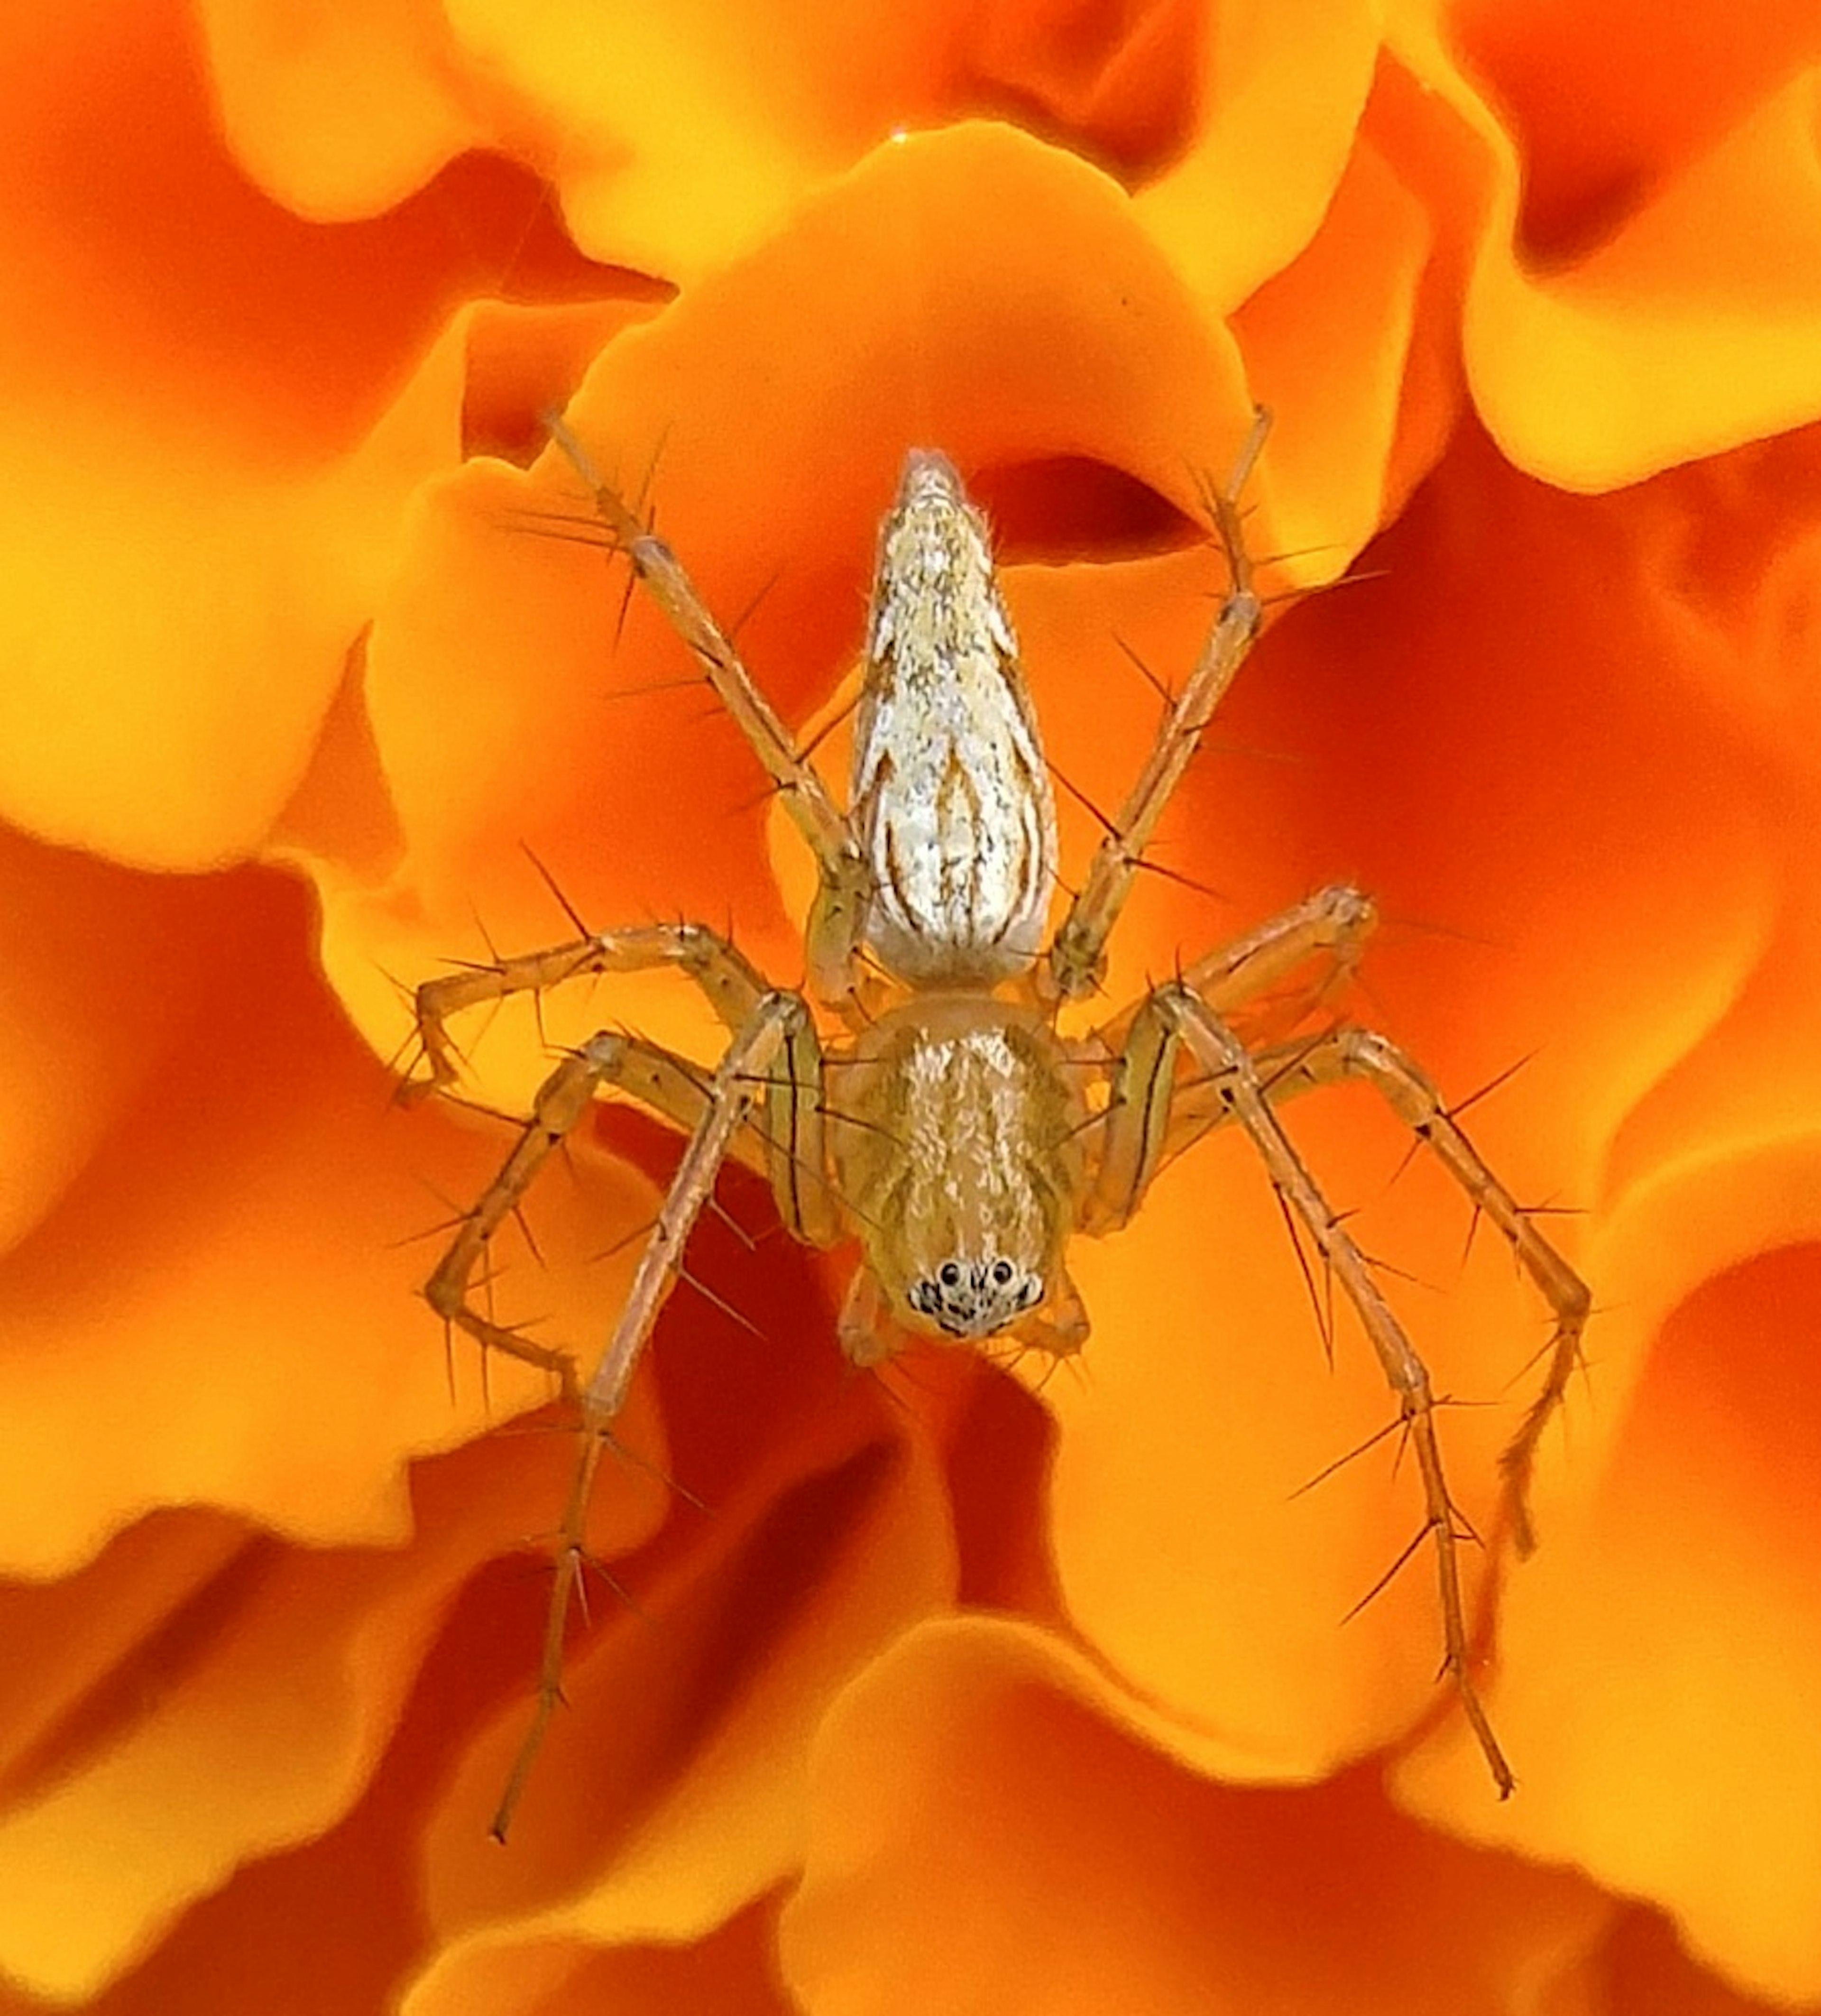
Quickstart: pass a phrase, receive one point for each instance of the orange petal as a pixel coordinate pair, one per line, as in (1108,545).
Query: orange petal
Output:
(683,139)
(1607,99)
(980,1777)
(1661,1653)
(338,113)
(216,412)
(220,1309)
(1687,326)
(1283,89)
(203,1697)
(1642,1971)
(672,1797)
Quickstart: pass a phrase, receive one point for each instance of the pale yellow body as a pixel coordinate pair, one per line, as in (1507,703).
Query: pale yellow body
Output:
(959,1162)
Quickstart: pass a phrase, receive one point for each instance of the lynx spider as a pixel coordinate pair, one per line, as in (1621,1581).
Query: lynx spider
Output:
(964,1149)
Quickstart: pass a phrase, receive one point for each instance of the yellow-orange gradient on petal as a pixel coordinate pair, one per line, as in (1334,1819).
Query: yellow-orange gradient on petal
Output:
(947,1688)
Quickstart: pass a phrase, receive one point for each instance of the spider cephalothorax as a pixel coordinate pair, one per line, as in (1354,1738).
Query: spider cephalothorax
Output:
(931,1112)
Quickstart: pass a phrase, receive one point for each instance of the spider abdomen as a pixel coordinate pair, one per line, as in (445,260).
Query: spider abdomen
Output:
(951,797)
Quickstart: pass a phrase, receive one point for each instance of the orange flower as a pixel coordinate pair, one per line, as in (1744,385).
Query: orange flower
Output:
(931,1690)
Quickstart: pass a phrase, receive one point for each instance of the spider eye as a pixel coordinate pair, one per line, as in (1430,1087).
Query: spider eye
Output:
(1002,1272)
(949,1274)
(1033,1292)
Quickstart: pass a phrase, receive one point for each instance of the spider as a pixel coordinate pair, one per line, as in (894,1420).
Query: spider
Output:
(933,1112)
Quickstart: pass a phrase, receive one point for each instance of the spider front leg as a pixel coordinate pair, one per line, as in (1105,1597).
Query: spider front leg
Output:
(1290,1068)
(733,987)
(1157,1119)
(771,1071)
(1175,1016)
(644,1072)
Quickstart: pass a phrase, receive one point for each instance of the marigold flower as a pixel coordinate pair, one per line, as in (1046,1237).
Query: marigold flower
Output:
(947,1688)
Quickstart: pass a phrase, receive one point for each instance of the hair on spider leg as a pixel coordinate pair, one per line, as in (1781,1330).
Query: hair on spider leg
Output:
(556,890)
(1133,656)
(549,1421)
(538,522)
(522,1329)
(717,1210)
(1389,1269)
(565,528)
(1221,498)
(1306,591)
(543,1569)
(530,1237)
(1406,1555)
(1396,1425)
(480,924)
(719,1301)
(458,1216)
(738,625)
(1321,1307)
(899,1365)
(647,484)
(489,1276)
(629,1238)
(647,687)
(466,1103)
(1396,924)
(1146,864)
(1456,1107)
(1055,1365)
(402,1064)
(1085,1124)
(1584,1365)
(592,1563)
(844,712)
(1107,826)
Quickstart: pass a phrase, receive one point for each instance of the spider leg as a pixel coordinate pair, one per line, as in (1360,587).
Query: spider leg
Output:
(1173,1016)
(1290,1068)
(836,921)
(727,980)
(776,1035)
(1078,953)
(645,1071)
(1333,923)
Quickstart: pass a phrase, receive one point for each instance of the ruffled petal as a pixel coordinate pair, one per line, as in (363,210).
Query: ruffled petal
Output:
(990,1827)
(216,413)
(204,1697)
(682,1806)
(239,1328)
(1663,306)
(1659,1657)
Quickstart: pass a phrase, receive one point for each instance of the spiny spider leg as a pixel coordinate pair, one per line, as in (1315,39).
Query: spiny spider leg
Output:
(773,1035)
(728,980)
(1163,1118)
(1288,1069)
(644,1071)
(562,1101)
(834,932)
(1078,952)
(1175,1014)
